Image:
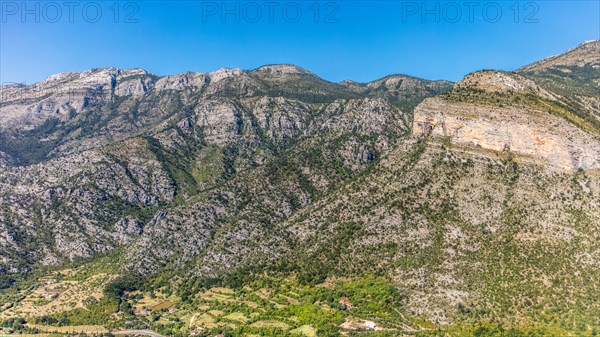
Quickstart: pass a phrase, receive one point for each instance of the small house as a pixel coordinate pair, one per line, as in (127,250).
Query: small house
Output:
(346,303)
(51,294)
(196,331)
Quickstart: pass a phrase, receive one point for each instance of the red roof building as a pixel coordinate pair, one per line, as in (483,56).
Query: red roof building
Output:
(345,302)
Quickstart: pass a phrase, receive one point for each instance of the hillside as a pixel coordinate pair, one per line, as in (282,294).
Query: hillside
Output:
(272,202)
(95,149)
(574,74)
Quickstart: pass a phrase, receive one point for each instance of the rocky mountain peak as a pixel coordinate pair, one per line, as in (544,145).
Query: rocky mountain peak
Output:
(575,75)
(222,73)
(491,81)
(90,78)
(60,77)
(283,69)
(586,53)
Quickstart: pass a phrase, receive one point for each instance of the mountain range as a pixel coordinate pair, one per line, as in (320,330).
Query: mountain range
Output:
(475,205)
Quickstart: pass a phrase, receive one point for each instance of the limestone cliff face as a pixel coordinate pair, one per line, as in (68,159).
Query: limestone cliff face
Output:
(61,95)
(523,129)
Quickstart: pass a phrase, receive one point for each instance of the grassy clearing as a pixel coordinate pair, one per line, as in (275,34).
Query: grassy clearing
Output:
(86,329)
(60,292)
(270,324)
(305,330)
(163,305)
(238,317)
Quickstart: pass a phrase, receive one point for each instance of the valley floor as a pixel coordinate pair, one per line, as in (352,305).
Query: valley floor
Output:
(264,306)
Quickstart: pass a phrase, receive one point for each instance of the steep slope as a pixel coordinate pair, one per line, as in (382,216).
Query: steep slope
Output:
(574,74)
(471,230)
(467,236)
(343,141)
(72,112)
(586,54)
(111,147)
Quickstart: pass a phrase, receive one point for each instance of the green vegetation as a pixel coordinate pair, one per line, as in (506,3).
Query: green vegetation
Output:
(278,306)
(265,306)
(569,81)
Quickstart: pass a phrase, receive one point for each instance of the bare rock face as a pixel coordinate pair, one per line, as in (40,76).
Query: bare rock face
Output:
(61,95)
(282,119)
(283,69)
(135,82)
(223,73)
(531,131)
(4,159)
(186,81)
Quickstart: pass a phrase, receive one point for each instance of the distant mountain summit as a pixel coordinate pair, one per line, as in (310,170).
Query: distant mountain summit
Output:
(574,74)
(283,69)
(587,53)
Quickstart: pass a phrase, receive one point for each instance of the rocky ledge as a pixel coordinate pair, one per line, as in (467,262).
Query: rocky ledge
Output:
(531,131)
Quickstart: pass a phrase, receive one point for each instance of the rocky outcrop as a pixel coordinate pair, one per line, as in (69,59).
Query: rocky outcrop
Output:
(61,97)
(497,82)
(529,131)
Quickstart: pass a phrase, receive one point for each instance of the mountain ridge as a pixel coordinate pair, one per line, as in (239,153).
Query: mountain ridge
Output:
(433,206)
(584,53)
(282,68)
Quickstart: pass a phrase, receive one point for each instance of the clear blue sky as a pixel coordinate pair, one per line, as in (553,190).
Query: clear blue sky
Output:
(359,40)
